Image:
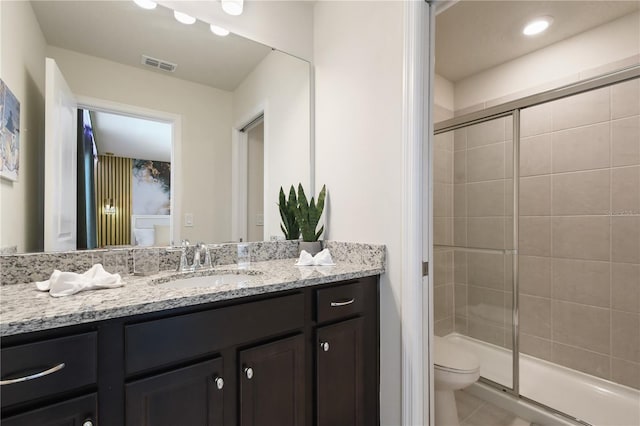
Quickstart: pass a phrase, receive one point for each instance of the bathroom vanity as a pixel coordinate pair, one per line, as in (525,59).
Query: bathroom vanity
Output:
(288,346)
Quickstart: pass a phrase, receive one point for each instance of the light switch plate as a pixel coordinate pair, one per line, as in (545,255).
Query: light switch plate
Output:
(188,219)
(259,219)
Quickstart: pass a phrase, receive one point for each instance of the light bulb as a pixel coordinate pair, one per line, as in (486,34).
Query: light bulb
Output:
(232,7)
(183,18)
(537,26)
(146,4)
(219,30)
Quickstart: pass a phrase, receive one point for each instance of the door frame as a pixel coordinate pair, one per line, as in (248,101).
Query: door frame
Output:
(103,105)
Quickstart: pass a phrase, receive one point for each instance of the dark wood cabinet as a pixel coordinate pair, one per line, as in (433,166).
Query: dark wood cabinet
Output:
(340,374)
(75,412)
(251,361)
(272,383)
(197,390)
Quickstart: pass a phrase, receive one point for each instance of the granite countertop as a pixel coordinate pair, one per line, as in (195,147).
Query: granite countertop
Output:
(24,309)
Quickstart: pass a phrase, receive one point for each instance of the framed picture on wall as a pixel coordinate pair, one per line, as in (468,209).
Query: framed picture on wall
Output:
(9,134)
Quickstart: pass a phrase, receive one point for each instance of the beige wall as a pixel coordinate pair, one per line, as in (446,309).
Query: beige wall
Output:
(279,86)
(255,183)
(564,62)
(21,217)
(358,72)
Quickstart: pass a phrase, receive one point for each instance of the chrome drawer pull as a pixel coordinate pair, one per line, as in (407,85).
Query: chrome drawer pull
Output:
(345,303)
(33,376)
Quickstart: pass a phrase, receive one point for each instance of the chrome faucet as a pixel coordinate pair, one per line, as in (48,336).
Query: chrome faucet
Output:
(196,265)
(184,263)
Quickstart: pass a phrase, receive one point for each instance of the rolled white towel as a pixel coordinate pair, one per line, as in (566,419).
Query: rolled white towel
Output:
(321,259)
(68,283)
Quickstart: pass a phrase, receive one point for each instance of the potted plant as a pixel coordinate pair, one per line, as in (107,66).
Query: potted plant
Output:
(308,215)
(288,208)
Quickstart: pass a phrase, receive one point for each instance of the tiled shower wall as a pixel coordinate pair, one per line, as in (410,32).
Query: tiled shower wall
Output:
(580,232)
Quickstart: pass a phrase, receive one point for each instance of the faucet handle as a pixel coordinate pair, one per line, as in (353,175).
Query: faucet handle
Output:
(207,264)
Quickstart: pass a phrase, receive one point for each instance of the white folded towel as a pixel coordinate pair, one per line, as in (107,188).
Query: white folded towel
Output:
(321,259)
(68,283)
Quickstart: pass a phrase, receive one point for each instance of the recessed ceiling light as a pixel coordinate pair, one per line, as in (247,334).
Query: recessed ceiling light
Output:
(537,25)
(146,4)
(183,18)
(219,30)
(232,7)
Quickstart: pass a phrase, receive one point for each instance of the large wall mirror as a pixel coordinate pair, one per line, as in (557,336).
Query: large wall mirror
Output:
(181,133)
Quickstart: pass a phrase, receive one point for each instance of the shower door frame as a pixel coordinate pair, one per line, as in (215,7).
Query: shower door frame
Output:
(513,109)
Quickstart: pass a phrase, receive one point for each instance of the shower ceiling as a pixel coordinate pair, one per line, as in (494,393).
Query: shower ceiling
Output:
(473,35)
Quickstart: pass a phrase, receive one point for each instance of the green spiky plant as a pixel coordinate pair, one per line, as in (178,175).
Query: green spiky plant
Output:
(288,208)
(308,214)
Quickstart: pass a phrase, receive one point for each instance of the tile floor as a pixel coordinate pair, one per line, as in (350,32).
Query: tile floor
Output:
(473,411)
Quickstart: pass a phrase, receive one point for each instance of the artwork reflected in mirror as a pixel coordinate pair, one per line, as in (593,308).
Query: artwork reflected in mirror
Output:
(9,134)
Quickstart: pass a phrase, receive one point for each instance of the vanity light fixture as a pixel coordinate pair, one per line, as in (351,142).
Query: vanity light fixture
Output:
(232,7)
(183,18)
(222,32)
(146,4)
(537,25)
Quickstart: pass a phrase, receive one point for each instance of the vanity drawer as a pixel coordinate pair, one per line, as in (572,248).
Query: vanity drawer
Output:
(333,303)
(65,363)
(168,341)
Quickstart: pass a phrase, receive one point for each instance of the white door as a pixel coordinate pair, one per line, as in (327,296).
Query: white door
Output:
(60,165)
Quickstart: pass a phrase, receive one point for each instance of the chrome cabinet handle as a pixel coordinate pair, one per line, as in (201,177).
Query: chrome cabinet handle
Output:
(345,303)
(87,422)
(324,346)
(219,381)
(248,372)
(33,376)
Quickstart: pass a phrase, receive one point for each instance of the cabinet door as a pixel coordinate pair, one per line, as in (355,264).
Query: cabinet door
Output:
(272,384)
(340,374)
(191,396)
(75,412)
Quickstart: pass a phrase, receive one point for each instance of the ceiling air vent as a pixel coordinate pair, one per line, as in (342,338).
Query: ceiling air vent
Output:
(158,64)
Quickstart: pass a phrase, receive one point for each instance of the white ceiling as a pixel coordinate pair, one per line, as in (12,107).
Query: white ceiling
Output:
(131,137)
(121,31)
(475,35)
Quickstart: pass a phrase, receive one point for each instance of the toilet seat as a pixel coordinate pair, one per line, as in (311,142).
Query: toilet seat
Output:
(452,358)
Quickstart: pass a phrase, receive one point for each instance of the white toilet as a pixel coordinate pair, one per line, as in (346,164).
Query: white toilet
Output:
(455,368)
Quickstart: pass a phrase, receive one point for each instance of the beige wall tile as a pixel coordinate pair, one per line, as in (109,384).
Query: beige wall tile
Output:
(460,267)
(443,303)
(439,268)
(485,232)
(625,372)
(485,305)
(535,120)
(461,326)
(535,316)
(625,287)
(625,239)
(508,158)
(460,232)
(625,136)
(442,231)
(485,163)
(581,237)
(485,133)
(625,99)
(442,201)
(535,155)
(460,139)
(580,110)
(460,166)
(535,196)
(579,325)
(486,332)
(443,166)
(581,360)
(460,200)
(444,141)
(485,270)
(460,300)
(535,346)
(582,281)
(443,327)
(625,190)
(625,336)
(535,276)
(535,236)
(583,148)
(485,199)
(581,193)
(508,198)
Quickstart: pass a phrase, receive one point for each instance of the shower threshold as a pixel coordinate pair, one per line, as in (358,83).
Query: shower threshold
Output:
(590,399)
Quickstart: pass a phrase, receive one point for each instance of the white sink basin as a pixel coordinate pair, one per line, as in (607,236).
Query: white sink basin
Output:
(207,281)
